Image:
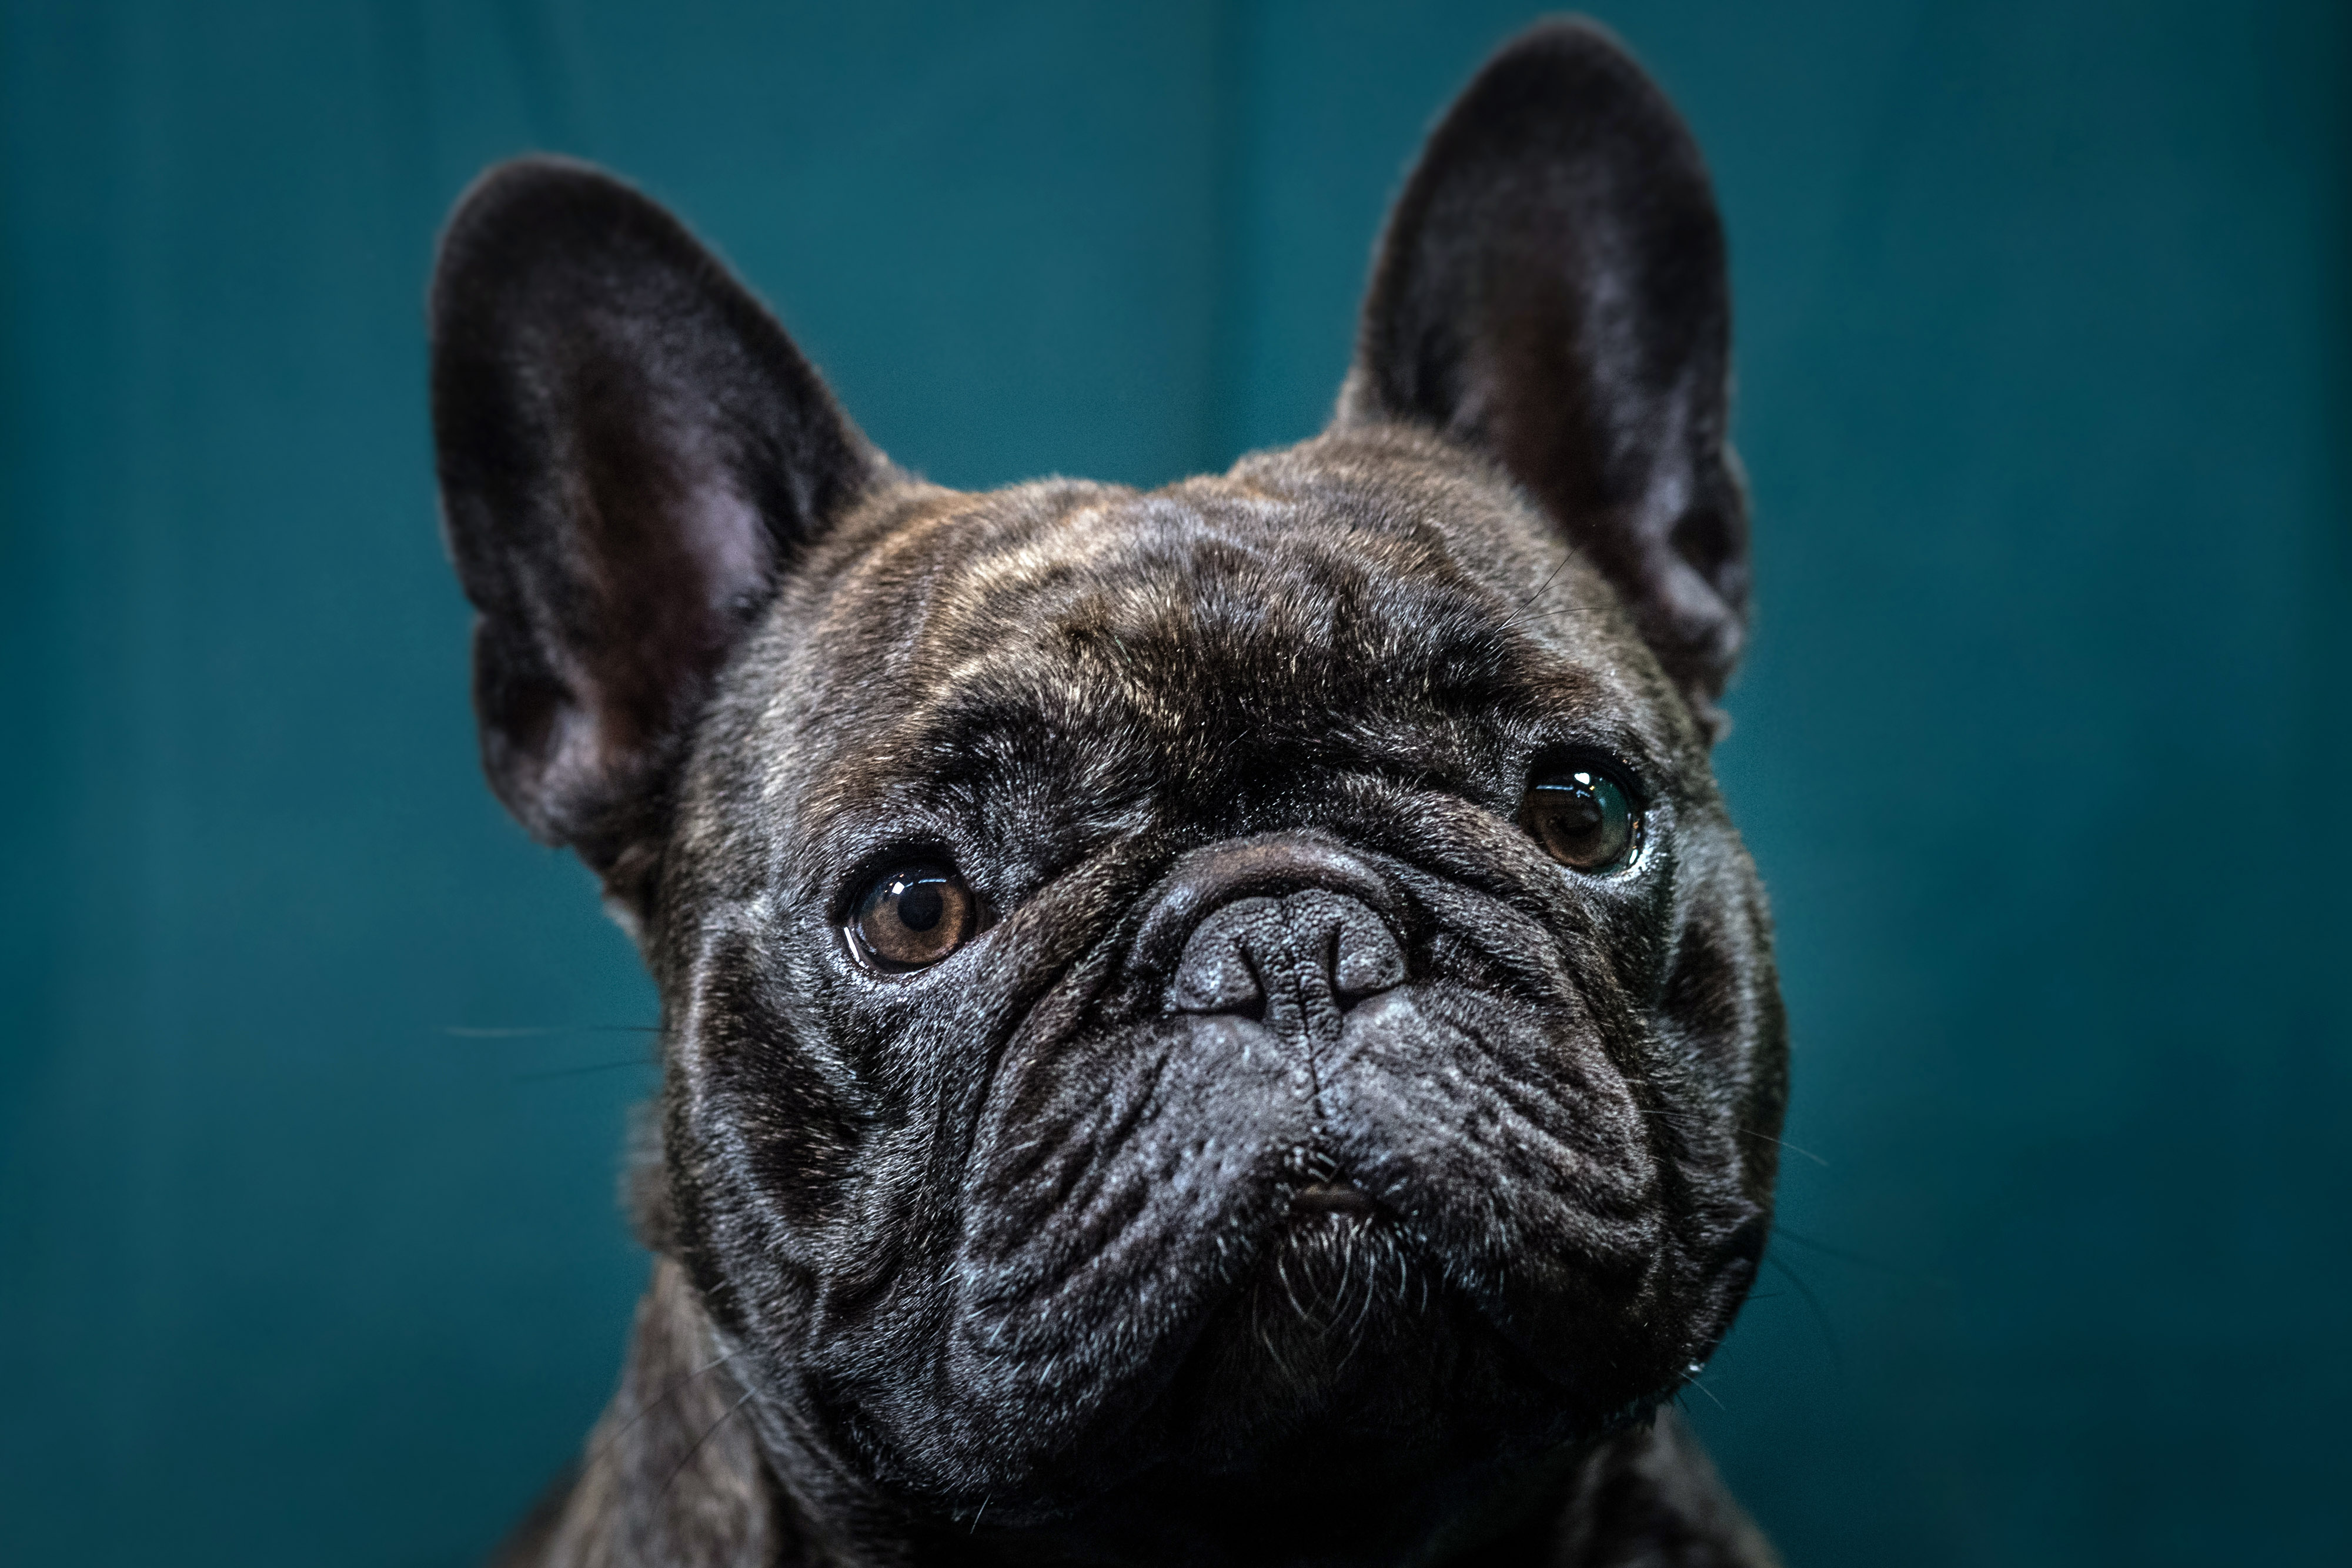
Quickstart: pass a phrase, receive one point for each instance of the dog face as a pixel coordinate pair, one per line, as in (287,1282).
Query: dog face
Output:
(1163,986)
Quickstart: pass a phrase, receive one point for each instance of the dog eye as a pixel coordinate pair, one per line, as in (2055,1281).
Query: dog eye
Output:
(912,917)
(1583,819)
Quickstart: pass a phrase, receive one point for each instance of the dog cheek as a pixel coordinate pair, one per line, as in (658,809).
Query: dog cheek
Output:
(1505,1137)
(761,1133)
(1721,1008)
(1117,1187)
(1715,1065)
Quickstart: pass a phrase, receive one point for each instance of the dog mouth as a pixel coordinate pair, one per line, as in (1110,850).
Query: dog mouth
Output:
(1339,1261)
(1331,1199)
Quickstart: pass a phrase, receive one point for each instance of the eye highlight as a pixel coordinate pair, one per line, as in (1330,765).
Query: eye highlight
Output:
(911,917)
(1582,818)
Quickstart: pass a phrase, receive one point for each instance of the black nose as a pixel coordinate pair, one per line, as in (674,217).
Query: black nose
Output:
(1305,948)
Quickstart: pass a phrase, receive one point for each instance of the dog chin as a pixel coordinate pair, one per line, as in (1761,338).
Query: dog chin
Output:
(1345,1361)
(1342,1276)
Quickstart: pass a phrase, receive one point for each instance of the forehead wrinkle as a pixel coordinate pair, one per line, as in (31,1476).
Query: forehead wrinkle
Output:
(1075,690)
(1130,630)
(1138,552)
(1010,534)
(1064,545)
(906,594)
(880,598)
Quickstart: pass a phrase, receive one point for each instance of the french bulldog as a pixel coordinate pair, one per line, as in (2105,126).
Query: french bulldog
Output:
(1226,1025)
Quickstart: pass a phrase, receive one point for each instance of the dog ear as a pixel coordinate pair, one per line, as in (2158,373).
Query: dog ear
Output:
(1551,291)
(630,451)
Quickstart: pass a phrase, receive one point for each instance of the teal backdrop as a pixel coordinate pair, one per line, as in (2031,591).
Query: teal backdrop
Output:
(314,1071)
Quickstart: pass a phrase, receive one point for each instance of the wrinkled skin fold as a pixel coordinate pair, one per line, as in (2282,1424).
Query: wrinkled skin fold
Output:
(1297,1164)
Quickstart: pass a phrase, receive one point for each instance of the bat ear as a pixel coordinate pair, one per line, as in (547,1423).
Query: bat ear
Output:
(1551,290)
(631,451)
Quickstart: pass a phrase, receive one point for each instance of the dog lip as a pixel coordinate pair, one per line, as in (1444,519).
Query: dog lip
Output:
(1332,1197)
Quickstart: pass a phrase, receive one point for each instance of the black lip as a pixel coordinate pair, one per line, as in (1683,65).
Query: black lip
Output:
(1332,1198)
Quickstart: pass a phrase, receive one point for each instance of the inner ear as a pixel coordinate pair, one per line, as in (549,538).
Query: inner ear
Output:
(631,451)
(1551,290)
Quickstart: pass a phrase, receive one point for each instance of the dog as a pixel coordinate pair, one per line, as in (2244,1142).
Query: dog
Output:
(1226,1025)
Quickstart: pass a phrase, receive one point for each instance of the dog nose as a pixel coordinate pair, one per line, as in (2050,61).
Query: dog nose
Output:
(1313,944)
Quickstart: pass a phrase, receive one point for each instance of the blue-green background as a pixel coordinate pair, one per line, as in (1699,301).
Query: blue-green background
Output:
(313,1072)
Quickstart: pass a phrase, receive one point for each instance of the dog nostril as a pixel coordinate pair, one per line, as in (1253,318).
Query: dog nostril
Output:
(1307,942)
(1216,975)
(1359,956)
(1365,959)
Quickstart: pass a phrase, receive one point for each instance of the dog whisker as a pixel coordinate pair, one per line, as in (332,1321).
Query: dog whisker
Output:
(1541,588)
(1842,1254)
(655,1404)
(541,1077)
(706,1434)
(1753,1132)
(541,1032)
(1821,1315)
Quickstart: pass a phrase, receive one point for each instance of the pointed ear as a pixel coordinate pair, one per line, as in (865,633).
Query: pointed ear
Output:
(630,451)
(1551,291)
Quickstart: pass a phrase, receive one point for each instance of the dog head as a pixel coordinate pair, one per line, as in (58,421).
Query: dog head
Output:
(1163,986)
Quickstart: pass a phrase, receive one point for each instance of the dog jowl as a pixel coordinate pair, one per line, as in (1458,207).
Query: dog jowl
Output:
(1221,1025)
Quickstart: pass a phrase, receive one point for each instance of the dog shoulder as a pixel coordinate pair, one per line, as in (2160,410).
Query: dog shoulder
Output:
(1652,1499)
(672,1472)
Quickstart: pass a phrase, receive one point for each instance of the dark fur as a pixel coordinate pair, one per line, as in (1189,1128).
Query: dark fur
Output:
(1000,1261)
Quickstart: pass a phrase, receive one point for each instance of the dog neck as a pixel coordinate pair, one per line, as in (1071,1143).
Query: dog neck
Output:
(677,1472)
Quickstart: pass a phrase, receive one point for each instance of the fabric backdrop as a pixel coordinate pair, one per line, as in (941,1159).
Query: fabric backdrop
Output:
(314,1071)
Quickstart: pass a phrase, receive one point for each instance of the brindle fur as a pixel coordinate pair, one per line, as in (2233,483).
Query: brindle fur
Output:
(998,1262)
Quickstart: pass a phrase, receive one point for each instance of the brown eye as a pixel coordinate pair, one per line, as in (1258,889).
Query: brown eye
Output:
(912,917)
(1584,820)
